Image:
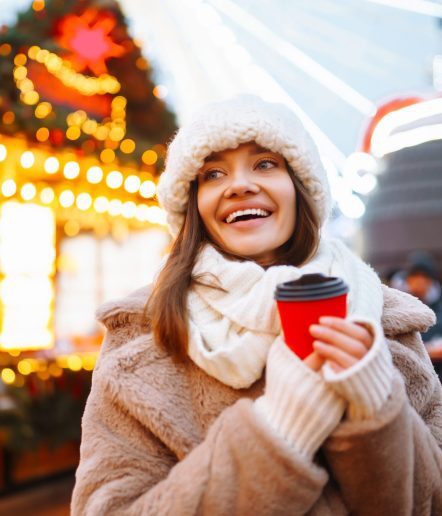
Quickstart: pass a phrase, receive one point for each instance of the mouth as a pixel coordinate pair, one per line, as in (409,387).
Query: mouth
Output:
(248,214)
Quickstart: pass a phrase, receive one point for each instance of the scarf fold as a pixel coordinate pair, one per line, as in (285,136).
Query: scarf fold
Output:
(231,328)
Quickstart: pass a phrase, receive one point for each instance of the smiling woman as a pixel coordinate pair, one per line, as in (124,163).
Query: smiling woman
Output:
(198,406)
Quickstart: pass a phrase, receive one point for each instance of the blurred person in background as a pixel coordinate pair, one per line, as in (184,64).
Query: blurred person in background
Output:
(197,404)
(421,279)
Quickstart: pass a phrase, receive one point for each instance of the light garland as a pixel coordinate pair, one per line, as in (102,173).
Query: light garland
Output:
(78,121)
(62,69)
(77,188)
(19,367)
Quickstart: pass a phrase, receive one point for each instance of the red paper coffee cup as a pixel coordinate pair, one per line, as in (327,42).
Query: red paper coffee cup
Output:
(302,302)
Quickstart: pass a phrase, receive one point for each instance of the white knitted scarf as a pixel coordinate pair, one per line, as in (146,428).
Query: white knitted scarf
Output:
(232,328)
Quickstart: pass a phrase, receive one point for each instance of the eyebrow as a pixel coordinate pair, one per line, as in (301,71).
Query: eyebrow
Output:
(216,156)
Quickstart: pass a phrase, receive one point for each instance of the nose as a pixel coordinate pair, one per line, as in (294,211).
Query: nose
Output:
(241,184)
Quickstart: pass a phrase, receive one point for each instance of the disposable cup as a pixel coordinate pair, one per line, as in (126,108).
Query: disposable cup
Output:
(302,302)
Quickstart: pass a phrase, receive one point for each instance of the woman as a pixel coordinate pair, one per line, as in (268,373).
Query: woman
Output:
(182,418)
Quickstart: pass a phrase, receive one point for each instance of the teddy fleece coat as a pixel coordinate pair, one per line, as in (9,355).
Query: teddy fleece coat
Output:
(161,438)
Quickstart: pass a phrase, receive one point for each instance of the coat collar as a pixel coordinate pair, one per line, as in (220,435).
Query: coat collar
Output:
(402,313)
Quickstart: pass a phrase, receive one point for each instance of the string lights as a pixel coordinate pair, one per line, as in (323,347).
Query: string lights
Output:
(64,182)
(78,121)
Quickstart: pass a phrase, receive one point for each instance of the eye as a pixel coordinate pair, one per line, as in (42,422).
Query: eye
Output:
(266,164)
(210,175)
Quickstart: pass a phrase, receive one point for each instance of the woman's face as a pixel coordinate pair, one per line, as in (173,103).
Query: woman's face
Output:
(246,200)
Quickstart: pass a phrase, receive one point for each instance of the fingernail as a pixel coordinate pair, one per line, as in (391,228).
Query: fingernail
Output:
(325,320)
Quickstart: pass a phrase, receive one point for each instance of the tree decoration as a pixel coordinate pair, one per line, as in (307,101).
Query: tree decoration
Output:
(89,38)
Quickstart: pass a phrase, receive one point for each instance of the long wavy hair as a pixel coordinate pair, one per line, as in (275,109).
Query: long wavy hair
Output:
(166,310)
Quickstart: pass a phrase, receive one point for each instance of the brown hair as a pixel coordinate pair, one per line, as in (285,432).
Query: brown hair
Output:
(167,306)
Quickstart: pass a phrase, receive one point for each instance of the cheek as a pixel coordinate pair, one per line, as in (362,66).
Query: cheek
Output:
(288,203)
(205,205)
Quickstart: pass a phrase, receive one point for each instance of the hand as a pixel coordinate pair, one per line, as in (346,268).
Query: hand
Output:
(339,342)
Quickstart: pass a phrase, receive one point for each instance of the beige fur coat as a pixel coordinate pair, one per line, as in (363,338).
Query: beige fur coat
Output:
(167,439)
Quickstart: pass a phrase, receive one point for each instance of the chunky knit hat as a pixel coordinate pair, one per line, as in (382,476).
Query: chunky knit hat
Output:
(227,124)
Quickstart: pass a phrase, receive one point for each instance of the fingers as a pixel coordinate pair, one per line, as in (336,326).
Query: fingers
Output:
(351,329)
(333,354)
(339,342)
(343,341)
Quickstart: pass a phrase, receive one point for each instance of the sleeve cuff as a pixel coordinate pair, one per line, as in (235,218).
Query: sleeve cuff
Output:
(297,403)
(368,384)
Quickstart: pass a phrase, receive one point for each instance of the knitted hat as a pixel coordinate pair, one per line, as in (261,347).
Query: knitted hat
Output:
(227,124)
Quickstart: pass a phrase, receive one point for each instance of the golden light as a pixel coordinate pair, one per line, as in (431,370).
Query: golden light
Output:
(27,159)
(89,362)
(51,165)
(114,179)
(8,375)
(38,5)
(94,174)
(127,146)
(47,195)
(73,133)
(116,134)
(9,188)
(132,184)
(27,258)
(20,60)
(28,191)
(115,207)
(71,228)
(119,102)
(107,155)
(74,363)
(71,170)
(101,204)
(41,55)
(8,117)
(24,367)
(31,97)
(55,370)
(147,189)
(129,209)
(160,91)
(149,157)
(5,49)
(32,52)
(141,63)
(20,73)
(43,109)
(25,85)
(3,152)
(101,133)
(66,198)
(89,127)
(42,134)
(83,201)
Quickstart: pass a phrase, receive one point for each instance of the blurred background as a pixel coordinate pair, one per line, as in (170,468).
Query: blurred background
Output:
(90,93)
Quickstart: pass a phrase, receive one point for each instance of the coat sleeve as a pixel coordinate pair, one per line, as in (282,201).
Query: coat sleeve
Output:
(239,466)
(392,463)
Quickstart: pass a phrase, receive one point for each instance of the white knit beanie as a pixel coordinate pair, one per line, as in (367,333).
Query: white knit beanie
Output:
(227,124)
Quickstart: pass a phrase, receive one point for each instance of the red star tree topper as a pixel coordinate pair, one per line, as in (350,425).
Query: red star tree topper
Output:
(88,38)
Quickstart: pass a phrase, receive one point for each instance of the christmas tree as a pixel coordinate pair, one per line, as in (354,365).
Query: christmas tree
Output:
(71,75)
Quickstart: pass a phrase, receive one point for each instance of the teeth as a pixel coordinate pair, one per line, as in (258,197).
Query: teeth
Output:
(251,211)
